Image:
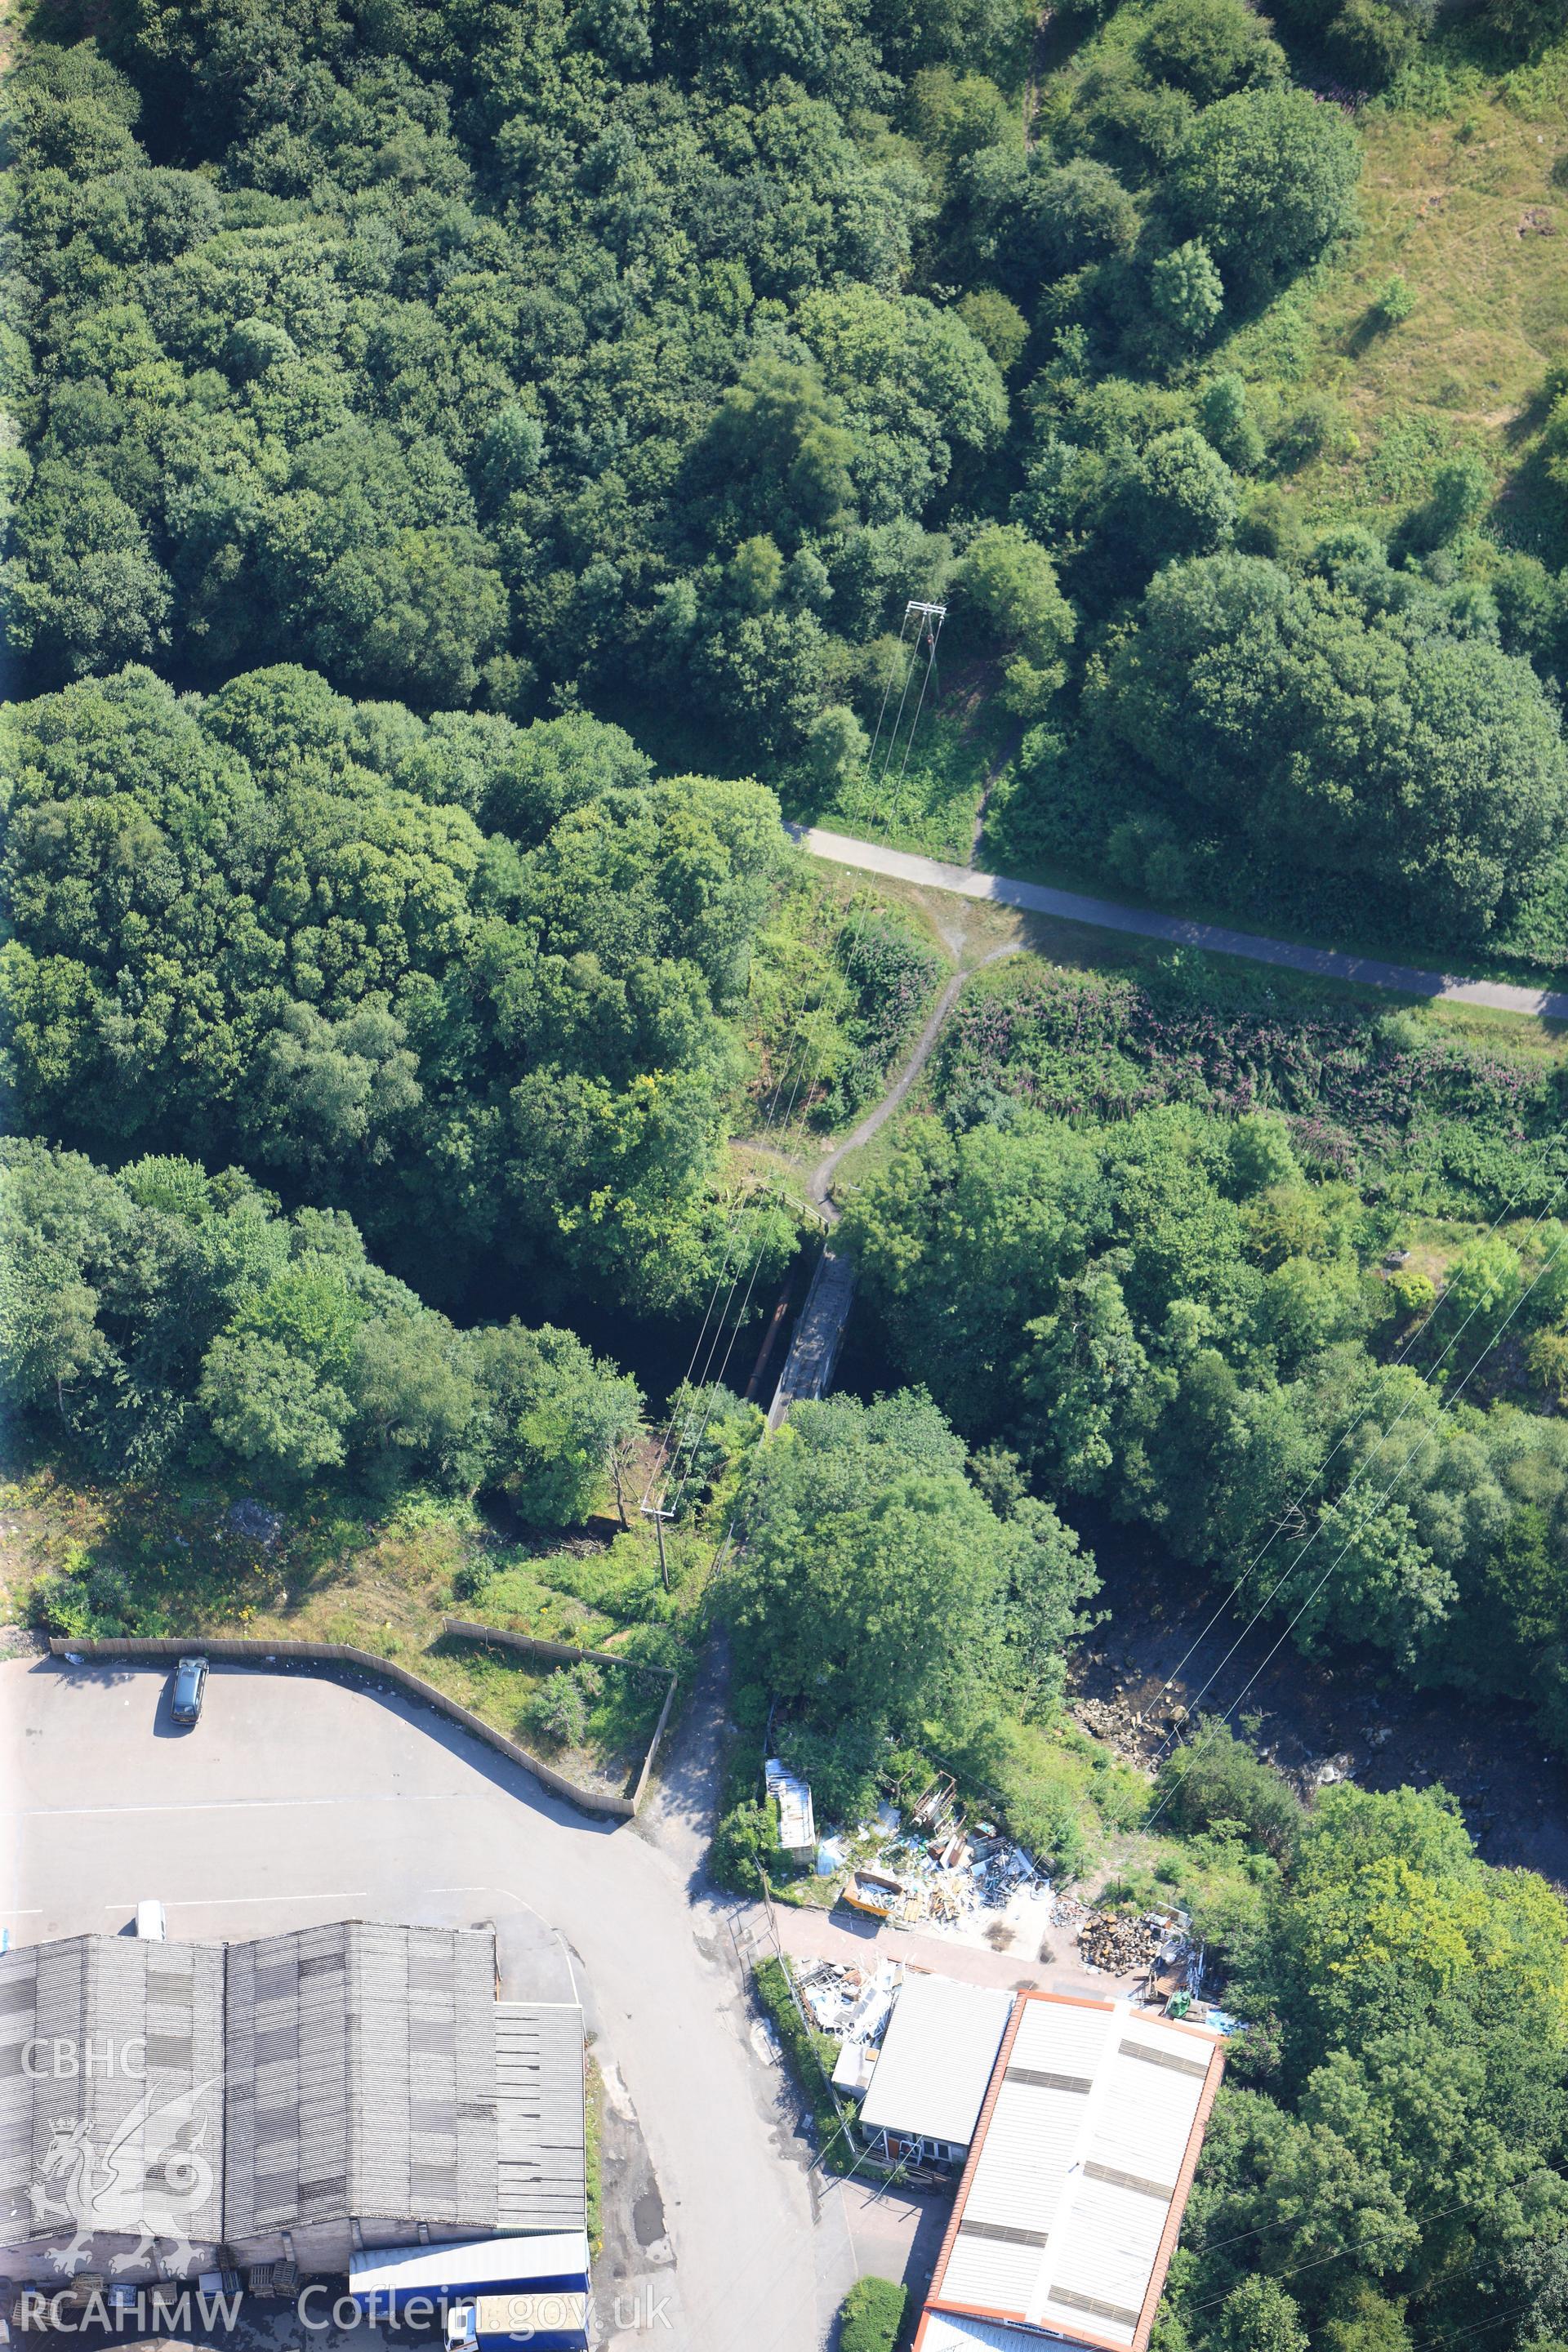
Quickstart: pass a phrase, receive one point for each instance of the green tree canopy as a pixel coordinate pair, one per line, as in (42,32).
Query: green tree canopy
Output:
(268,925)
(1210,47)
(874,1579)
(1009,592)
(1268,178)
(164,1313)
(1364,739)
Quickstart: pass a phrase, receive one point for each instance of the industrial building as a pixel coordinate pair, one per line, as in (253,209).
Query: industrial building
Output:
(1079,2172)
(170,2108)
(111,2123)
(933,2070)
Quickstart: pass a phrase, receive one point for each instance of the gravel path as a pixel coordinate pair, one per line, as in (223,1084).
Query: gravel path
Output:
(1104,914)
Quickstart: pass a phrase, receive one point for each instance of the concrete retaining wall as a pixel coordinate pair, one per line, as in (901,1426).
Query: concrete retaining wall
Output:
(340,1653)
(560,1652)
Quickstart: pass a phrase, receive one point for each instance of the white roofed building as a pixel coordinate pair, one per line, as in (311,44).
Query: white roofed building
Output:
(1082,2159)
(936,2062)
(797,1821)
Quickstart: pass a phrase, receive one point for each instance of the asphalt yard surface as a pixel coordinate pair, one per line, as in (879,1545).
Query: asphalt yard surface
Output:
(298,1800)
(809,1934)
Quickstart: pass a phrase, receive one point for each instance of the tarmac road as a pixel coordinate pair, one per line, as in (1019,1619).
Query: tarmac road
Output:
(299,1800)
(1104,914)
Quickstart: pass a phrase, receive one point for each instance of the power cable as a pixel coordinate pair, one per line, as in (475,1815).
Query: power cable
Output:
(933,615)
(856,911)
(1228,1601)
(1449,1400)
(899,716)
(731,1230)
(1337,2253)
(771,1124)
(886,691)
(691,1456)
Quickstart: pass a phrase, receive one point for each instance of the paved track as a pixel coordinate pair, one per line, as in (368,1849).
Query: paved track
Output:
(298,1800)
(1104,914)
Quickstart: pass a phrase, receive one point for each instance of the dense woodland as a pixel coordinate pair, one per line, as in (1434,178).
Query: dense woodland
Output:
(472,461)
(473,982)
(166,1316)
(1145,1245)
(1384,2165)
(502,359)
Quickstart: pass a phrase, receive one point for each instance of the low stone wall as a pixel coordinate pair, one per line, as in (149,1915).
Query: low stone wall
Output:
(250,1653)
(659,1731)
(559,1652)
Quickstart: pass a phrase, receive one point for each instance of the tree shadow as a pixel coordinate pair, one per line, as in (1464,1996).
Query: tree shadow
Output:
(1369,329)
(1528,514)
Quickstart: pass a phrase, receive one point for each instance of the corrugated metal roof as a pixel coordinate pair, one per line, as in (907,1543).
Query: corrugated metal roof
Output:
(353,2071)
(487,2262)
(142,2025)
(797,1823)
(1033,2137)
(1067,2212)
(954,2331)
(361,2077)
(937,2056)
(542,2182)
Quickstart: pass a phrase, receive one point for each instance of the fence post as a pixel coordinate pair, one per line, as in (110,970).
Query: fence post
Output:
(805,2024)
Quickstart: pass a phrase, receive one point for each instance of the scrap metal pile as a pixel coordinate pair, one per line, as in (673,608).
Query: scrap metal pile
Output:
(1156,1944)
(853,2002)
(941,1872)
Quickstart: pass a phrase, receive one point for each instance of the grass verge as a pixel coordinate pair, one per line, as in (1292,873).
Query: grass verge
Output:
(185,1560)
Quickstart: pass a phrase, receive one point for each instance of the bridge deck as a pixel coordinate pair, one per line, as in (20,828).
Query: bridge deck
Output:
(814,1349)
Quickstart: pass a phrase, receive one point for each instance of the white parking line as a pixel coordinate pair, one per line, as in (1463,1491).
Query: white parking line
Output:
(229,1805)
(524,1904)
(225,1902)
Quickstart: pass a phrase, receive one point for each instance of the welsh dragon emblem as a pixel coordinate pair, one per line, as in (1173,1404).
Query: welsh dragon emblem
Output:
(148,2181)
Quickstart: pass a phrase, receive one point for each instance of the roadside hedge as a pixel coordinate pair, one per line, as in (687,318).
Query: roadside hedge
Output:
(871,2315)
(810,2059)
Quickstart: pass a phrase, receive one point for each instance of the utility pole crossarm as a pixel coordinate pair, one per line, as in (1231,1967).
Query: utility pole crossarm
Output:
(657,1513)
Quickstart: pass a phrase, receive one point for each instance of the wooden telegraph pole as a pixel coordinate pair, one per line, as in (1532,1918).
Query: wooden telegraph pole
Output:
(654,1512)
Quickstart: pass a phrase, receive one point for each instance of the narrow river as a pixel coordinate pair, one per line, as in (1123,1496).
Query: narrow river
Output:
(1343,1714)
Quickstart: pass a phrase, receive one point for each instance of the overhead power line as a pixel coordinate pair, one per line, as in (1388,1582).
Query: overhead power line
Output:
(929,620)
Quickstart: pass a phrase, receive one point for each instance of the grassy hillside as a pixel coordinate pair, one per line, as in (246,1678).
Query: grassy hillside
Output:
(1464,197)
(1423,338)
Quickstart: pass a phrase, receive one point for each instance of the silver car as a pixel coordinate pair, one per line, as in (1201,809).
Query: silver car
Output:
(190,1687)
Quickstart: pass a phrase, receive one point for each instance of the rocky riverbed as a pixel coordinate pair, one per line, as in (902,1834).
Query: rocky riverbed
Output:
(1157,1659)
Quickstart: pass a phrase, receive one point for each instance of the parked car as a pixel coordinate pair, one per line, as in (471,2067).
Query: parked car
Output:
(505,2323)
(190,1687)
(152,1927)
